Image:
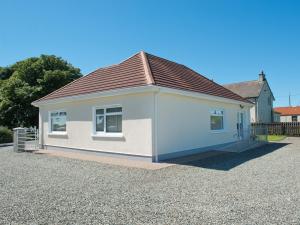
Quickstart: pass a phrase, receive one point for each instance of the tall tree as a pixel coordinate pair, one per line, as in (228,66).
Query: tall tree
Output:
(27,81)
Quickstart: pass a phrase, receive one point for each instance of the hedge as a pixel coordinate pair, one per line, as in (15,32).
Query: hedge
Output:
(6,135)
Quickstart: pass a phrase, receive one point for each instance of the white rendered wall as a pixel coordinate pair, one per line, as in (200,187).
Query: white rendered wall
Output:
(288,118)
(184,123)
(137,125)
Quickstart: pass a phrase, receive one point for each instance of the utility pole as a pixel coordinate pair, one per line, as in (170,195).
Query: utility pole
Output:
(290,99)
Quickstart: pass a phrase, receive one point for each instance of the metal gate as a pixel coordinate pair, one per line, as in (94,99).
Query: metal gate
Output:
(26,139)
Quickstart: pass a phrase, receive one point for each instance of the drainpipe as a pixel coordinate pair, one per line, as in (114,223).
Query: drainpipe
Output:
(155,124)
(256,110)
(41,130)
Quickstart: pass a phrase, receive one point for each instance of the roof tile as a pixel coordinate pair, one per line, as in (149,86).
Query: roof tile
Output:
(246,89)
(140,70)
(288,111)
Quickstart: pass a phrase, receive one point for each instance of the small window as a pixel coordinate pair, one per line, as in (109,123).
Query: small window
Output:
(216,119)
(108,120)
(58,121)
(294,119)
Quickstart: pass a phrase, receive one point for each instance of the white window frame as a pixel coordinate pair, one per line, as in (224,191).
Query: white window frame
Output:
(50,131)
(104,133)
(211,114)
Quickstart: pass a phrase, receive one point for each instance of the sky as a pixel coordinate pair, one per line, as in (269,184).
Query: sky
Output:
(224,40)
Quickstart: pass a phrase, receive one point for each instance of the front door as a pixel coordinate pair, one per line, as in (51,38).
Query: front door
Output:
(240,125)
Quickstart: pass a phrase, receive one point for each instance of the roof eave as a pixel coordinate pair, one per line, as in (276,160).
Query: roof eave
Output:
(204,96)
(139,89)
(109,93)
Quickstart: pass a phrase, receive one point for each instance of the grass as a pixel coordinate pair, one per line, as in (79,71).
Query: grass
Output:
(276,137)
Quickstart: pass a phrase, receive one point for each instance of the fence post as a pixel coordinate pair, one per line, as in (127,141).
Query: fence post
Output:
(15,139)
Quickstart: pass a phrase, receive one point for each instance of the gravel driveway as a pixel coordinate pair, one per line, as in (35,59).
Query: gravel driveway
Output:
(260,186)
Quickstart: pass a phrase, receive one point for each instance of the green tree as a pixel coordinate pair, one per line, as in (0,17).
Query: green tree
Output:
(5,72)
(27,81)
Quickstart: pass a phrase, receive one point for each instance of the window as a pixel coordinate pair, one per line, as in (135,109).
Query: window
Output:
(58,121)
(108,120)
(294,119)
(217,119)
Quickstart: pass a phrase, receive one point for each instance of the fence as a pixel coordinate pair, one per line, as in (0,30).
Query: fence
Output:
(284,128)
(25,139)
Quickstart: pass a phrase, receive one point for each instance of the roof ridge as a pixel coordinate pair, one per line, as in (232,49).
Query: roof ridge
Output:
(147,69)
(241,82)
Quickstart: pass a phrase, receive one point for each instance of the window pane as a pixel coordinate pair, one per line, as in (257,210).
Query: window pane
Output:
(216,122)
(99,111)
(99,123)
(58,123)
(114,123)
(217,112)
(113,110)
(62,113)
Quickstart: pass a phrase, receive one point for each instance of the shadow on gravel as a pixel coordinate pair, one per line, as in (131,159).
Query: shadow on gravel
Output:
(227,160)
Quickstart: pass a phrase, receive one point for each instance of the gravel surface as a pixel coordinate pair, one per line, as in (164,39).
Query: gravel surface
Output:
(260,186)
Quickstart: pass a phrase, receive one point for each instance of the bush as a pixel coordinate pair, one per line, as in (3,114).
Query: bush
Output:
(6,135)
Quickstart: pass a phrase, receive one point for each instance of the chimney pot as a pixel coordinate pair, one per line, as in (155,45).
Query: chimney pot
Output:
(262,76)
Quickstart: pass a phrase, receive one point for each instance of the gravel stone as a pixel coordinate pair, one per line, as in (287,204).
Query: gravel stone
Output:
(260,186)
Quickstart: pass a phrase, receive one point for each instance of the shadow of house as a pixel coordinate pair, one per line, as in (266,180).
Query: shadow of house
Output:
(218,160)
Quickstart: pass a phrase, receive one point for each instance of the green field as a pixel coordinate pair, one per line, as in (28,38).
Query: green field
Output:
(276,137)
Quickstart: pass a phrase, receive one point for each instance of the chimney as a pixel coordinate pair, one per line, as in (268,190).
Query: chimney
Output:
(262,76)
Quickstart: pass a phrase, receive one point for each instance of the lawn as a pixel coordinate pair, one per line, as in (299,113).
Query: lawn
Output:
(276,137)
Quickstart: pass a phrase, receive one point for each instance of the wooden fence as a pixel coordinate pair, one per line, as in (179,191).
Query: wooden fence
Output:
(287,128)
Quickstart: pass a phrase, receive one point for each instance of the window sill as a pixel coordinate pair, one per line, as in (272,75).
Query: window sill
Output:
(217,131)
(112,135)
(58,134)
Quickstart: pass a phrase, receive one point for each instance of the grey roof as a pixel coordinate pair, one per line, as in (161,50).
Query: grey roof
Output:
(246,89)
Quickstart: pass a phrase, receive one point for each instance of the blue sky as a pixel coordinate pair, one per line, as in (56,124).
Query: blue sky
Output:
(227,41)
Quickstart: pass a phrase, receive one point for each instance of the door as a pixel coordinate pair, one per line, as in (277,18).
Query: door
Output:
(240,125)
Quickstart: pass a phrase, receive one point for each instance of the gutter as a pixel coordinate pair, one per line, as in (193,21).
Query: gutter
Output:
(109,93)
(139,89)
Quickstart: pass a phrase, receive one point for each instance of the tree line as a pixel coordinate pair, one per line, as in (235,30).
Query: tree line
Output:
(28,80)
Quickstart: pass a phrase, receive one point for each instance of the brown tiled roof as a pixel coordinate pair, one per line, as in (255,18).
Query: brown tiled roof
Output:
(288,111)
(140,70)
(173,75)
(129,73)
(247,89)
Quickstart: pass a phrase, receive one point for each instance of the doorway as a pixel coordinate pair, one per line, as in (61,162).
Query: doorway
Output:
(240,125)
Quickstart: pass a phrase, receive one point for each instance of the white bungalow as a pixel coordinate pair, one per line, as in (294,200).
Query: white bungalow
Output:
(145,107)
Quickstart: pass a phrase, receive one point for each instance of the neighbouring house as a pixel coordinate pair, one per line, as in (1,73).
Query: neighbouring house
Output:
(258,92)
(145,107)
(276,116)
(288,114)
